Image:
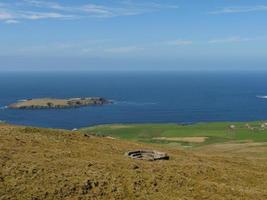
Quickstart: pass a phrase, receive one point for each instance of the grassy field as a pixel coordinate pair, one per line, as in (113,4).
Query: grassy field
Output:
(49,164)
(200,133)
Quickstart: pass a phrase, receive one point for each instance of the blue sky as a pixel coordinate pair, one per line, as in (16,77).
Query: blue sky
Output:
(133,35)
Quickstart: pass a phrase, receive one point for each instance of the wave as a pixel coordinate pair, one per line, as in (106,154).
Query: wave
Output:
(262,97)
(134,103)
(3,107)
(22,100)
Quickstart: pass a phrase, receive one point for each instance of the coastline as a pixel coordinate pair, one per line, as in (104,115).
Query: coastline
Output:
(53,103)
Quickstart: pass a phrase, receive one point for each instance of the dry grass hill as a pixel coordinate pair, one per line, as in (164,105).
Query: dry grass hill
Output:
(39,164)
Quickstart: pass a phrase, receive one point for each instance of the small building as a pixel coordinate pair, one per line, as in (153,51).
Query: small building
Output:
(232,127)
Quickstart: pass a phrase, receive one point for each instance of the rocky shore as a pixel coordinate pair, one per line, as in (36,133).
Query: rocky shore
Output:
(50,103)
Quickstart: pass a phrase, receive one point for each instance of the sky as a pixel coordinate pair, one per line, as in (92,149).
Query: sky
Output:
(133,35)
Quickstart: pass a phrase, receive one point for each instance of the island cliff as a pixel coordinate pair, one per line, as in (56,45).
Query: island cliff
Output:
(49,103)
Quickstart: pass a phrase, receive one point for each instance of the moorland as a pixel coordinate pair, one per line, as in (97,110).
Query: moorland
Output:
(221,161)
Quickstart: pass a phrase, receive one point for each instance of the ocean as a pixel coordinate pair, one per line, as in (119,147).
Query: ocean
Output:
(139,97)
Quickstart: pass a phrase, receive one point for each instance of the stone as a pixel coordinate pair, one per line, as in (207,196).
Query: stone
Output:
(150,155)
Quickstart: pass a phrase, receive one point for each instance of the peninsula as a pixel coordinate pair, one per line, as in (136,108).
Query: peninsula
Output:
(49,103)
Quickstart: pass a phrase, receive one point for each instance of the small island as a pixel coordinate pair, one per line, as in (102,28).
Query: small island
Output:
(51,103)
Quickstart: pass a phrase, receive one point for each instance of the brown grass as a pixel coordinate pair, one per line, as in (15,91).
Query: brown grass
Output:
(245,149)
(49,164)
(43,102)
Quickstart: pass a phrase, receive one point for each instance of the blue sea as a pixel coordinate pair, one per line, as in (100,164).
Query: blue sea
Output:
(139,97)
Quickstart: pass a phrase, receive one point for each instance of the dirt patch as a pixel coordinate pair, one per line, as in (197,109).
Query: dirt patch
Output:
(183,139)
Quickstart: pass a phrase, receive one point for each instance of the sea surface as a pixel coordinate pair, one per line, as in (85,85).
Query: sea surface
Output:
(139,97)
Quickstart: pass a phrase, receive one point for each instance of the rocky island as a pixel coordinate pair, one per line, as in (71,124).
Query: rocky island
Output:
(51,103)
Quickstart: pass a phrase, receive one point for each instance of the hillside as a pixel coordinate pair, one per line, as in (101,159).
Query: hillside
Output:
(58,164)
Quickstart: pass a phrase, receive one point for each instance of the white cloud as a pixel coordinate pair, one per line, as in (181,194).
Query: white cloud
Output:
(95,9)
(39,9)
(86,8)
(122,8)
(86,47)
(43,15)
(14,17)
(230,10)
(88,50)
(179,42)
(52,5)
(5,15)
(126,49)
(11,21)
(107,47)
(231,40)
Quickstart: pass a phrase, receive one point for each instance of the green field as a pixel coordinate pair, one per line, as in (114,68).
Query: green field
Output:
(175,133)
